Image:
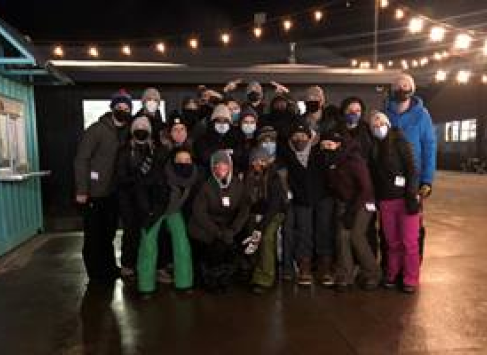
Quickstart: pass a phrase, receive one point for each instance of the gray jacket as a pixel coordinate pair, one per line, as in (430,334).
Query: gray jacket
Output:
(94,165)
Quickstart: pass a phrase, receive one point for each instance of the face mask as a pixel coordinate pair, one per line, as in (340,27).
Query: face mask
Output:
(312,106)
(300,145)
(352,118)
(254,96)
(235,117)
(222,128)
(183,170)
(248,128)
(140,135)
(122,116)
(270,147)
(402,95)
(151,106)
(380,132)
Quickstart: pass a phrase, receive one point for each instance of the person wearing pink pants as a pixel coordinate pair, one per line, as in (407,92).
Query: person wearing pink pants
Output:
(401,234)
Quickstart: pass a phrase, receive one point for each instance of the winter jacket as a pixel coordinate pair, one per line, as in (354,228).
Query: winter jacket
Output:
(241,153)
(392,168)
(156,122)
(328,122)
(417,126)
(348,177)
(363,137)
(94,165)
(212,141)
(217,211)
(267,196)
(307,184)
(179,188)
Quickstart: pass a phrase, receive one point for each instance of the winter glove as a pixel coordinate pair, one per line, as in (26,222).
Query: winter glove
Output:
(412,204)
(348,219)
(425,190)
(252,242)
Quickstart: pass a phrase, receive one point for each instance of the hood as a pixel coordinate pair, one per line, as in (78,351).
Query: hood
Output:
(222,155)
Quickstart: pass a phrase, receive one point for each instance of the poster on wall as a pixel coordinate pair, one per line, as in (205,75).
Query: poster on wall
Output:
(13,147)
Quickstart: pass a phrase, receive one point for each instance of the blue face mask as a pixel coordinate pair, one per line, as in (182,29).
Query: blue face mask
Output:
(270,147)
(352,118)
(235,117)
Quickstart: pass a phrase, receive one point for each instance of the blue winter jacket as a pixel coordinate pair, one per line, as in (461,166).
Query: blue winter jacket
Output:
(418,129)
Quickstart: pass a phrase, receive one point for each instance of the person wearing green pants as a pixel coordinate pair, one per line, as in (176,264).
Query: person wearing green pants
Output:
(268,204)
(181,175)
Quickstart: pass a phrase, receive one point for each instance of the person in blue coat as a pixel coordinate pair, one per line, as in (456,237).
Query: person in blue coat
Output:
(407,112)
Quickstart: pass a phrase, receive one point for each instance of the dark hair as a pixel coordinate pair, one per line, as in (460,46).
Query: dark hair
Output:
(350,100)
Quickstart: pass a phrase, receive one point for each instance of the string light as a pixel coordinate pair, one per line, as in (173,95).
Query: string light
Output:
(416,25)
(390,63)
(193,43)
(380,67)
(225,38)
(484,49)
(384,3)
(318,15)
(161,47)
(399,14)
(484,79)
(437,34)
(437,56)
(257,32)
(287,25)
(58,51)
(463,76)
(126,50)
(424,61)
(445,54)
(404,64)
(354,62)
(441,75)
(463,41)
(93,51)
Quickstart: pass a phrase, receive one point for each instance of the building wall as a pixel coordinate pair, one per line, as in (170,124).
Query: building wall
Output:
(20,202)
(60,127)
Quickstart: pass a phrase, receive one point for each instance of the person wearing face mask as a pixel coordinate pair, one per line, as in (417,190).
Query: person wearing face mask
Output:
(189,112)
(219,135)
(406,111)
(349,180)
(94,169)
(255,97)
(176,133)
(180,176)
(267,139)
(151,101)
(268,204)
(282,113)
(396,185)
(309,236)
(245,140)
(234,108)
(320,117)
(220,211)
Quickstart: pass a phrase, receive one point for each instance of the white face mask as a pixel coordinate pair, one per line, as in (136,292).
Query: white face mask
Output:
(222,128)
(151,106)
(380,132)
(248,128)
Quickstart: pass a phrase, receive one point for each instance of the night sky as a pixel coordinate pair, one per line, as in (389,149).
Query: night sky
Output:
(71,22)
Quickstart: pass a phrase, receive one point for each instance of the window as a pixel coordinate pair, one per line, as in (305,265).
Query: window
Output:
(13,148)
(93,109)
(452,131)
(461,131)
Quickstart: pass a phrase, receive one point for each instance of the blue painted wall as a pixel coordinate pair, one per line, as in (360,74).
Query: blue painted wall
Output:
(20,202)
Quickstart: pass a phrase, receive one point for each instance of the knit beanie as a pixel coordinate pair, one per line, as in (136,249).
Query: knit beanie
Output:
(248,111)
(141,123)
(407,78)
(121,96)
(259,153)
(254,86)
(151,94)
(221,111)
(300,126)
(267,132)
(379,116)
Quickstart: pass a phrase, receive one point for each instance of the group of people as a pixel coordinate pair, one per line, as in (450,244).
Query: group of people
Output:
(226,191)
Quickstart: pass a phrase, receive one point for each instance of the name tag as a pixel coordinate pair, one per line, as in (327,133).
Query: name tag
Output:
(226,201)
(94,175)
(400,181)
(289,195)
(370,207)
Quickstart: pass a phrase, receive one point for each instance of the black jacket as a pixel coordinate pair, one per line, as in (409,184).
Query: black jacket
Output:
(179,188)
(217,211)
(156,122)
(392,167)
(241,153)
(212,141)
(94,165)
(363,137)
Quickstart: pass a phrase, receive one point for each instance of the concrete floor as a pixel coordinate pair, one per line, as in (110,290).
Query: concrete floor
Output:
(45,307)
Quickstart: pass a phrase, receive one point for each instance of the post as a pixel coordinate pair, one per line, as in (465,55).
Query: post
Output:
(376,32)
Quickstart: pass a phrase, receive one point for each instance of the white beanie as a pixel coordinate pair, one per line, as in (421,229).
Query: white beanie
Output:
(141,123)
(405,77)
(221,111)
(377,115)
(151,94)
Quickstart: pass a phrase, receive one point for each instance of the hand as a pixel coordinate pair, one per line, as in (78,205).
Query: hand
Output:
(280,89)
(425,190)
(81,199)
(412,204)
(232,85)
(254,238)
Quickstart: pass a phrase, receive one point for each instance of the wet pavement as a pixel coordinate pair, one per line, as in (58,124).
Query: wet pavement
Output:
(46,308)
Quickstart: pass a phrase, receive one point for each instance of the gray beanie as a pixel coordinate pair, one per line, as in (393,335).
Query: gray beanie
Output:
(142,123)
(151,94)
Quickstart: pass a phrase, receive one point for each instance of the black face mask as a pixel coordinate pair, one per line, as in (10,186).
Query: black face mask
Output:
(183,170)
(300,145)
(401,95)
(254,96)
(122,116)
(312,106)
(141,135)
